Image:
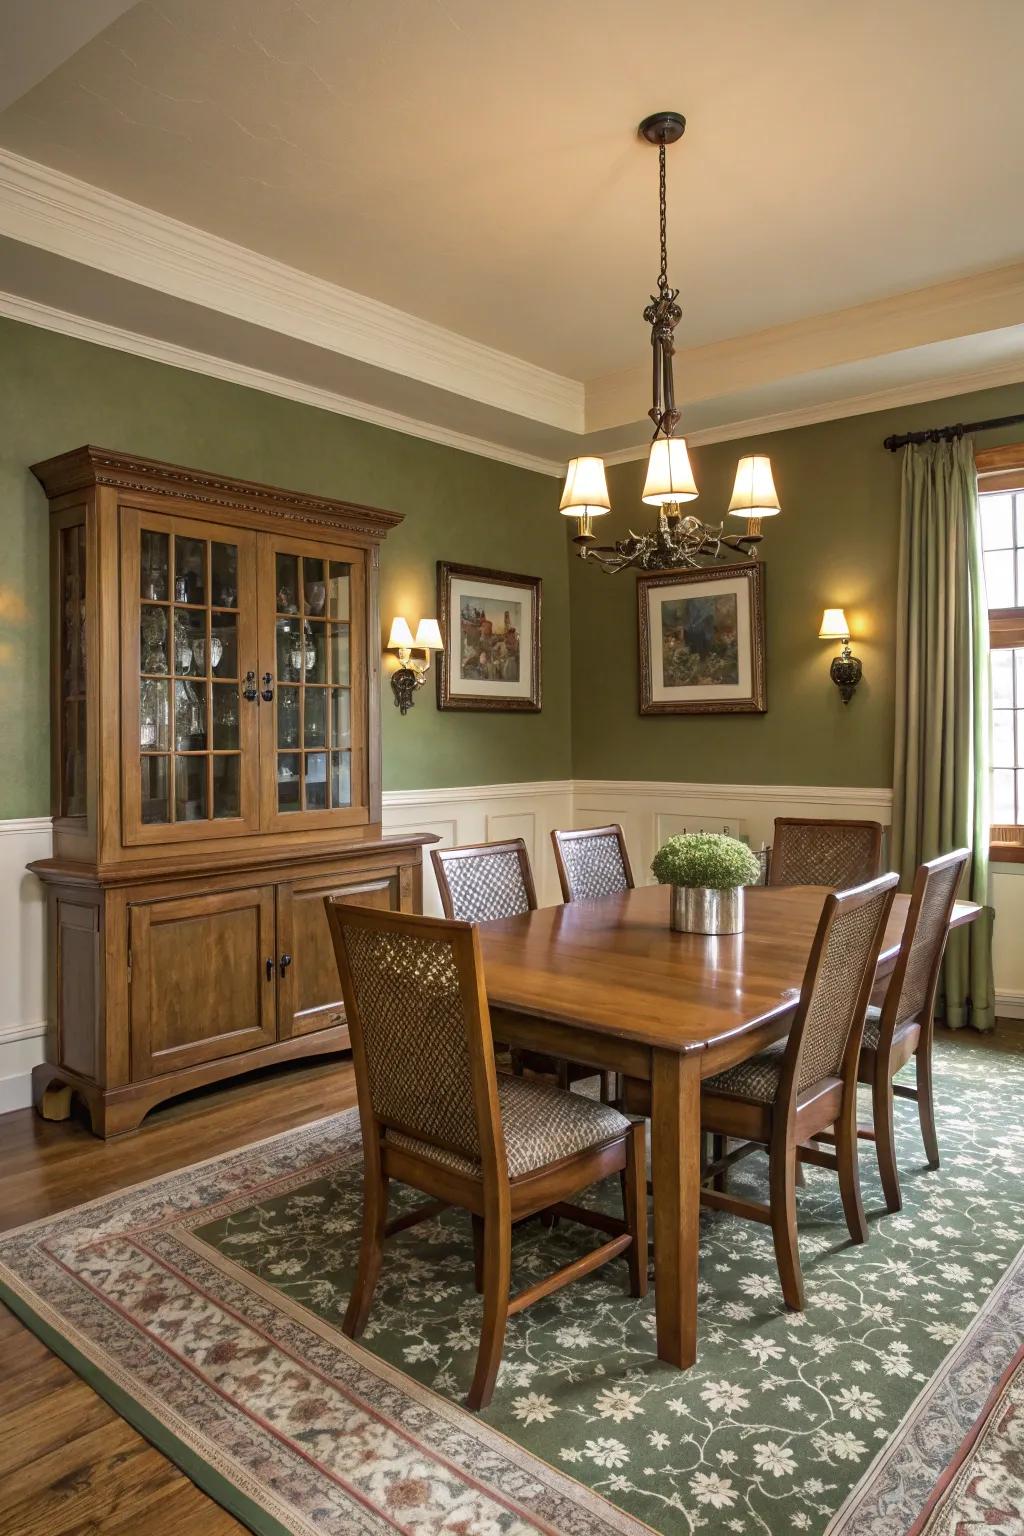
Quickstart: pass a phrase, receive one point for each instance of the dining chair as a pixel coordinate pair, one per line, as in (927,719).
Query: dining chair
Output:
(592,863)
(786,1095)
(435,1115)
(903,1026)
(806,851)
(480,882)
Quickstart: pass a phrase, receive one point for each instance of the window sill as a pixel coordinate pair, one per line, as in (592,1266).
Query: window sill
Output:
(1006,853)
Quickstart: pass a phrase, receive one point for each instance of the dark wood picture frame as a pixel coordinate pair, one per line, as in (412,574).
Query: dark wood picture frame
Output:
(448,692)
(753,704)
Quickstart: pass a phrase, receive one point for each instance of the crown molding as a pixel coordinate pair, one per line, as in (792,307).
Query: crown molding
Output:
(45,208)
(940,388)
(30,312)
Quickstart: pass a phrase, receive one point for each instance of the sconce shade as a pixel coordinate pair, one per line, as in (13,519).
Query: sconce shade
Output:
(586,489)
(428,636)
(834,625)
(401,635)
(669,476)
(754,494)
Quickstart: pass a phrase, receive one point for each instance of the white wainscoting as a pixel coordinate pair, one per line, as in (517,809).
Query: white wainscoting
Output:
(648,813)
(22,957)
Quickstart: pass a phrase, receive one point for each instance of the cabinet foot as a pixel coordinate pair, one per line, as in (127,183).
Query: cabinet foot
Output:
(54,1101)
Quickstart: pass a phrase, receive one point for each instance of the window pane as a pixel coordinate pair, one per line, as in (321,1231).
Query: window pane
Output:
(287,717)
(153,564)
(341,721)
(341,778)
(189,570)
(316,781)
(225,575)
(224,645)
(189,641)
(1020,738)
(190,789)
(1002,679)
(338,590)
(999,583)
(1020,578)
(153,639)
(154,716)
(287,584)
(225,717)
(1020,798)
(288,781)
(226,801)
(189,717)
(1003,806)
(996,522)
(315,719)
(1002,739)
(1018,656)
(315,652)
(340,659)
(155,781)
(313,587)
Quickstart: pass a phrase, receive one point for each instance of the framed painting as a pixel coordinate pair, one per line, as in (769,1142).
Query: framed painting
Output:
(490,625)
(702,642)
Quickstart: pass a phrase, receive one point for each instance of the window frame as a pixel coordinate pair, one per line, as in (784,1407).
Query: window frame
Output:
(1002,469)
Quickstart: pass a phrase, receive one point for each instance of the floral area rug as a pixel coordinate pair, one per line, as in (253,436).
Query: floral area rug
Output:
(784,1411)
(205,1305)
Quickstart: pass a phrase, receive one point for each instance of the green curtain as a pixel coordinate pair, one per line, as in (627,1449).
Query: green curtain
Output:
(943,705)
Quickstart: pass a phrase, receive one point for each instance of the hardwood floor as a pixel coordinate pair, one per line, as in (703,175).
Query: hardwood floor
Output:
(69,1466)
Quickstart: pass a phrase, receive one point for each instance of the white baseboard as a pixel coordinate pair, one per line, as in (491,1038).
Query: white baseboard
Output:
(647,810)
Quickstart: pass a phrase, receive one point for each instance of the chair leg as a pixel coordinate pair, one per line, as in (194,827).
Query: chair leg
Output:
(497,1277)
(719,1147)
(782,1184)
(608,1087)
(371,1248)
(562,1069)
(885,1138)
(478,1253)
(634,1204)
(925,1102)
(849,1165)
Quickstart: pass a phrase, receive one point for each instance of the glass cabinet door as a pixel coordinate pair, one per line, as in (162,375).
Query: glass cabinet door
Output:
(190,712)
(313,762)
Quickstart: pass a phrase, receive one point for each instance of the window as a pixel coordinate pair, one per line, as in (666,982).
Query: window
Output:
(1001,488)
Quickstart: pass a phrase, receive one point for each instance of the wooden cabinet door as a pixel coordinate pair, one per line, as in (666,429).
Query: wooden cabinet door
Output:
(310,991)
(313,729)
(203,978)
(189,734)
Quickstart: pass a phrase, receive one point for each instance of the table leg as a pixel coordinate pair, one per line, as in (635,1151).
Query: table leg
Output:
(675,1143)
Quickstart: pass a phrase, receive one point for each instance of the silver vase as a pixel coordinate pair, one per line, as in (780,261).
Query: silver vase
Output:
(699,909)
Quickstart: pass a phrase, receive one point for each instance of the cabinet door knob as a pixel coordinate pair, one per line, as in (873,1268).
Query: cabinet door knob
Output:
(286,961)
(267,691)
(249,689)
(270,970)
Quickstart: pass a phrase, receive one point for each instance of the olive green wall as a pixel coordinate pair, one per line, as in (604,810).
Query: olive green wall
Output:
(57,393)
(835,545)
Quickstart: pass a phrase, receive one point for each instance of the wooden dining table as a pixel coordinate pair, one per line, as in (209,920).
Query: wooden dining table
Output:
(608,983)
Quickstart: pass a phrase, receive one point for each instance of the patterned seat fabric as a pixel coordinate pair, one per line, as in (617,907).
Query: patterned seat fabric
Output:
(832,853)
(541,1125)
(486,886)
(594,867)
(872,1027)
(757,1078)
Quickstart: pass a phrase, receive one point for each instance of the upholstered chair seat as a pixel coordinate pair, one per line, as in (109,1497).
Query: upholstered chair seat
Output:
(542,1125)
(757,1078)
(873,1029)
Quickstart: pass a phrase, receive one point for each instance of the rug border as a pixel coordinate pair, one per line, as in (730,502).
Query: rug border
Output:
(219,1487)
(950,1474)
(189,1462)
(872,1474)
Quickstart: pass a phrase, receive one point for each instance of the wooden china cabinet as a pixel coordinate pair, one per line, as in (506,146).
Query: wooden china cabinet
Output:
(216,773)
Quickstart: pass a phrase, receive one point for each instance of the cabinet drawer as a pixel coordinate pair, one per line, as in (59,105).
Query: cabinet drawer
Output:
(310,992)
(203,978)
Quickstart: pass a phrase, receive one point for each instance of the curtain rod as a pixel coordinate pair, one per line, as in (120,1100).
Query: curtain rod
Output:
(947,434)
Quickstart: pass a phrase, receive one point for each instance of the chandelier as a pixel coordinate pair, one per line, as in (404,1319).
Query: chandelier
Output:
(678,540)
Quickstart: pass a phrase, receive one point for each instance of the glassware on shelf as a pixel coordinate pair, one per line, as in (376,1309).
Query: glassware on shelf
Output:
(189,718)
(303,649)
(183,643)
(316,596)
(153,716)
(199,652)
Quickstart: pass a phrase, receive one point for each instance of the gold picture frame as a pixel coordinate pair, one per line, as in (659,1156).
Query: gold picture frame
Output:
(701,641)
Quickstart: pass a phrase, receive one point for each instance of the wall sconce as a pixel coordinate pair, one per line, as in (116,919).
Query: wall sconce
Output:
(846,670)
(412,672)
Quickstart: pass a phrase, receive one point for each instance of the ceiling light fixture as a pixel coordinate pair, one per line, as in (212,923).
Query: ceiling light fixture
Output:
(677,540)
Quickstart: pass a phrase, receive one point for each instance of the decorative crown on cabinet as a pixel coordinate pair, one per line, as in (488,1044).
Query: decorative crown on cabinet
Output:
(215,700)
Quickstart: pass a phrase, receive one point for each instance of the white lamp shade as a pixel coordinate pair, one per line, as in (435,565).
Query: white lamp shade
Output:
(669,476)
(834,625)
(401,635)
(754,494)
(586,489)
(428,636)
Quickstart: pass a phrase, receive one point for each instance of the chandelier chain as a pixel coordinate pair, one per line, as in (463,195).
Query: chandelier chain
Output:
(662,206)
